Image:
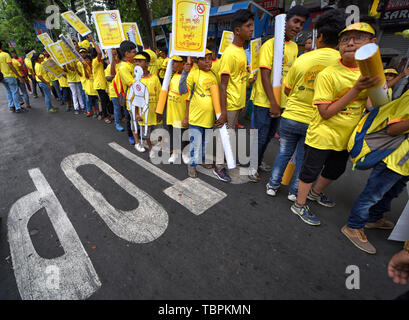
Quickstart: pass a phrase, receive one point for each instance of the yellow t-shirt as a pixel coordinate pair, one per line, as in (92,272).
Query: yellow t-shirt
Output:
(159,63)
(5,59)
(89,87)
(63,81)
(72,75)
(163,68)
(100,83)
(394,161)
(40,71)
(153,65)
(234,63)
(301,79)
(29,65)
(111,90)
(176,105)
(332,83)
(258,94)
(126,74)
(201,110)
(80,67)
(153,85)
(216,68)
(390,93)
(17,65)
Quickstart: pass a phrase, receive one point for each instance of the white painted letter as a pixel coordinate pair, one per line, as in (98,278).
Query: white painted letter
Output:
(352,281)
(354,13)
(53,21)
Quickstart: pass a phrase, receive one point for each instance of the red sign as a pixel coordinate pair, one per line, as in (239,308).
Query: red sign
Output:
(397,4)
(268,4)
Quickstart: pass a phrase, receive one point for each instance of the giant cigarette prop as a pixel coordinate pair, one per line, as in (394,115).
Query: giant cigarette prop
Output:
(368,58)
(224,134)
(279,41)
(163,96)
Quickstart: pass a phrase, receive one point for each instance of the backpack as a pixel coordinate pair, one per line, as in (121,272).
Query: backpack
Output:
(369,143)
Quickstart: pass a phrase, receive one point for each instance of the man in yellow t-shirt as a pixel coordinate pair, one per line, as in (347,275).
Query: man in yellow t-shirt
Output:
(233,81)
(387,180)
(267,111)
(340,98)
(11,77)
(299,87)
(22,85)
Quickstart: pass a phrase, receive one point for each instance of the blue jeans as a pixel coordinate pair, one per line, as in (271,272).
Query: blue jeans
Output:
(23,90)
(56,85)
(267,128)
(85,98)
(12,92)
(47,94)
(383,185)
(198,141)
(292,138)
(118,110)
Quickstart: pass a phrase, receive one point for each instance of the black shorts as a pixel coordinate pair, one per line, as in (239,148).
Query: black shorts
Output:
(329,163)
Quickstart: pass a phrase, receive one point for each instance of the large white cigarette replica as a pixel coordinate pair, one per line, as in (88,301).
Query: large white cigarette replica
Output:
(279,41)
(224,134)
(138,97)
(368,58)
(163,96)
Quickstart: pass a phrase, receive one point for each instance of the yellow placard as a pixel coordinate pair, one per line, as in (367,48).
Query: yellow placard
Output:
(45,39)
(69,55)
(255,46)
(227,39)
(57,53)
(127,26)
(76,23)
(190,22)
(109,28)
(51,66)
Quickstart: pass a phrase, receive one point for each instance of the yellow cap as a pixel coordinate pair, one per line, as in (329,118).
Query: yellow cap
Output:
(140,57)
(208,52)
(41,55)
(85,44)
(177,59)
(359,26)
(391,70)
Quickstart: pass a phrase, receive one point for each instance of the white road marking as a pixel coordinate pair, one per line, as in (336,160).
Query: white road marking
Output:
(76,278)
(141,225)
(194,194)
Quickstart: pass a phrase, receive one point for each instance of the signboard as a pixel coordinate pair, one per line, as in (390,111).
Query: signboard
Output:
(227,39)
(396,13)
(190,23)
(76,23)
(51,66)
(109,28)
(45,39)
(57,53)
(255,46)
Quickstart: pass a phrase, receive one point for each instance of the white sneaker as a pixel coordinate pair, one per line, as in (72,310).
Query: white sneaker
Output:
(292,197)
(270,191)
(185,158)
(173,158)
(139,148)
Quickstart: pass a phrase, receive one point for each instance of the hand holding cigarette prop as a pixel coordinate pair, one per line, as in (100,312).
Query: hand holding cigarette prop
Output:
(279,42)
(138,97)
(369,60)
(224,134)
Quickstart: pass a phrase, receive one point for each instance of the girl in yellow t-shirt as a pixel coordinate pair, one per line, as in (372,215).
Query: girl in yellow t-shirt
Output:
(90,91)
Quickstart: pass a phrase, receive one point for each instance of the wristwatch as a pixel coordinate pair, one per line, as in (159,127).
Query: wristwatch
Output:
(406,246)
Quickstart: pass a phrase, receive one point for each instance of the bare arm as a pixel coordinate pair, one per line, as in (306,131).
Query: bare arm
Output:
(398,128)
(96,46)
(398,78)
(275,109)
(224,81)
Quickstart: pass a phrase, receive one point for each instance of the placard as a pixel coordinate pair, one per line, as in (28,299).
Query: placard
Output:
(45,39)
(227,39)
(76,23)
(255,46)
(190,23)
(51,66)
(57,53)
(109,28)
(132,26)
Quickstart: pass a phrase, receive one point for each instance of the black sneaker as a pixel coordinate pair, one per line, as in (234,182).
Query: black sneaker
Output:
(222,175)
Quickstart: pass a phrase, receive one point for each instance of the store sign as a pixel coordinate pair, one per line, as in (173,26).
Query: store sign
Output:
(268,4)
(396,13)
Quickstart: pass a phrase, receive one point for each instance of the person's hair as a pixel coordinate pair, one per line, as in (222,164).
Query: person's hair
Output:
(240,17)
(118,52)
(146,55)
(126,46)
(34,59)
(88,57)
(330,24)
(93,53)
(28,51)
(298,10)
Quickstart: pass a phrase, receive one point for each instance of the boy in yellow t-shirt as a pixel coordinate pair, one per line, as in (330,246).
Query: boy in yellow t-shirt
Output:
(200,114)
(92,94)
(266,110)
(340,98)
(153,85)
(175,112)
(299,87)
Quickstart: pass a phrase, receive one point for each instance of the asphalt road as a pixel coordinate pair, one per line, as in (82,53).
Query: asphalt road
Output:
(245,246)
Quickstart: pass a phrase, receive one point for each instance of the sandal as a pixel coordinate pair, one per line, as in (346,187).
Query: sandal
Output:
(191,171)
(107,121)
(207,165)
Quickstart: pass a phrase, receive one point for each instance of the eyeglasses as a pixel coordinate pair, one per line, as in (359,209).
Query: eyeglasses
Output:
(358,39)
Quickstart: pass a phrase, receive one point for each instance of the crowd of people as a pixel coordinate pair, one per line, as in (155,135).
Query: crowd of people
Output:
(324,98)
